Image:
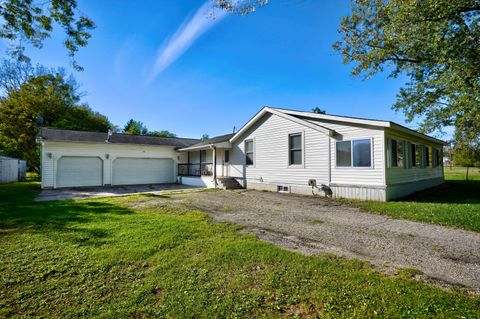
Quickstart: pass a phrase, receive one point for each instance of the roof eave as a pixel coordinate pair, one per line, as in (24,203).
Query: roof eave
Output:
(282,114)
(398,127)
(225,144)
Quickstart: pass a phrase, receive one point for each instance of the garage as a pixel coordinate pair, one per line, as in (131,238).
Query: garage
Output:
(74,171)
(133,171)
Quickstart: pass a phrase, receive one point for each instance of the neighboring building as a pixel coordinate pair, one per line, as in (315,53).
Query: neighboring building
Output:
(277,150)
(12,169)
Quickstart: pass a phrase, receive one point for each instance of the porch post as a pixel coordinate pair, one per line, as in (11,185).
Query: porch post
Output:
(214,165)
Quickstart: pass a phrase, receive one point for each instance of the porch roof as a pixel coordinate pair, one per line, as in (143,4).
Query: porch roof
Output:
(221,141)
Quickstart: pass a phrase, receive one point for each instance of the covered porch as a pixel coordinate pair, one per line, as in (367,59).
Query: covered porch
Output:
(204,163)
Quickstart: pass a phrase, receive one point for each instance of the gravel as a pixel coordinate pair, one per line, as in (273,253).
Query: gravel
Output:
(447,257)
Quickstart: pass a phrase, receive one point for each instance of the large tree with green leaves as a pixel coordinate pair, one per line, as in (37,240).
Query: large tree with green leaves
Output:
(30,21)
(50,100)
(435,43)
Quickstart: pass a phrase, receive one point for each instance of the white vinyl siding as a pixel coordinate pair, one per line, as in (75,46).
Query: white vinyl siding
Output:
(132,171)
(75,171)
(365,176)
(53,151)
(271,154)
(412,173)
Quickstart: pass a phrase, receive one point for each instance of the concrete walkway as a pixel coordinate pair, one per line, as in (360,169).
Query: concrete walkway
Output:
(90,192)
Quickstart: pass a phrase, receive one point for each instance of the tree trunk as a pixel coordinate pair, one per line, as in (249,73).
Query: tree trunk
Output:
(467,172)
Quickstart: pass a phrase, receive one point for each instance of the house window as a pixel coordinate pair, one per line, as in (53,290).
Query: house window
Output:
(428,157)
(249,152)
(344,154)
(226,156)
(397,153)
(295,149)
(203,156)
(416,155)
(362,156)
(356,153)
(437,161)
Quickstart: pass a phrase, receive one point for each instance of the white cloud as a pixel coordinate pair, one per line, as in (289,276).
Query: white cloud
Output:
(188,32)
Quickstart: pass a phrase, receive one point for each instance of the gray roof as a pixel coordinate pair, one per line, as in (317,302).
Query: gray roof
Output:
(61,135)
(214,140)
(3,157)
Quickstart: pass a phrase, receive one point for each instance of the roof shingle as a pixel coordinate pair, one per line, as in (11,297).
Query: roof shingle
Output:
(52,134)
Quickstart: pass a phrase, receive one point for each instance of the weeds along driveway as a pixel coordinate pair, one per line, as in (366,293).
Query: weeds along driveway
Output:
(312,225)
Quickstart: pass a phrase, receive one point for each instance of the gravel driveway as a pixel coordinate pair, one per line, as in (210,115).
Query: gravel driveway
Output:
(313,225)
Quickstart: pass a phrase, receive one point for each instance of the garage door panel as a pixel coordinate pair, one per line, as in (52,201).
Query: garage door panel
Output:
(131,171)
(73,171)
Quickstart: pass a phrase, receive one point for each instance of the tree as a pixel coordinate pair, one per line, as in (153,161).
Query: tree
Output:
(51,98)
(14,73)
(467,155)
(318,110)
(163,133)
(205,137)
(135,128)
(241,7)
(435,43)
(33,21)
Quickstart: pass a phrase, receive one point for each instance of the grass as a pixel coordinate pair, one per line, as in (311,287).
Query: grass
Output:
(455,203)
(105,258)
(460,173)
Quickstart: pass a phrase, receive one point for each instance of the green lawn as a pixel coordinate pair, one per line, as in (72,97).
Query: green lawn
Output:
(455,203)
(103,258)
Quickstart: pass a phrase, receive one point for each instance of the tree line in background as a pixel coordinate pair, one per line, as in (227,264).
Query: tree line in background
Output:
(35,96)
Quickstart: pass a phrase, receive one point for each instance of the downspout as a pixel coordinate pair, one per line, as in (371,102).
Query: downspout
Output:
(329,160)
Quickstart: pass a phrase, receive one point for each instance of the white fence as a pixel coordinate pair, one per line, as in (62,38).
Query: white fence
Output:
(12,169)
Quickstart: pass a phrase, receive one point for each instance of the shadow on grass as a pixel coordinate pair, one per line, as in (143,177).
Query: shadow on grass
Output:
(18,210)
(453,192)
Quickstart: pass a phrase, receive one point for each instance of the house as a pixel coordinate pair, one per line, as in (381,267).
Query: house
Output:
(277,150)
(12,169)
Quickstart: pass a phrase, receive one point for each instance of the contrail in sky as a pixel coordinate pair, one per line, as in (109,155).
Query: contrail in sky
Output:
(188,32)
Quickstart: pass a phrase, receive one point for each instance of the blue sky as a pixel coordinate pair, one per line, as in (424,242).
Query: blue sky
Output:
(279,56)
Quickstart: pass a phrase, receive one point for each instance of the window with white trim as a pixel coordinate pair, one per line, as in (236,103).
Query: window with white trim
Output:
(249,155)
(355,153)
(295,149)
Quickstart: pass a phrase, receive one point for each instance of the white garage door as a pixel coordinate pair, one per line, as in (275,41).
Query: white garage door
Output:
(131,171)
(79,171)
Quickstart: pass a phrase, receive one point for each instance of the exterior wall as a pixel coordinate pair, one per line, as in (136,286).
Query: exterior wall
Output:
(371,176)
(398,175)
(271,162)
(404,189)
(9,169)
(101,150)
(201,181)
(270,136)
(403,181)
